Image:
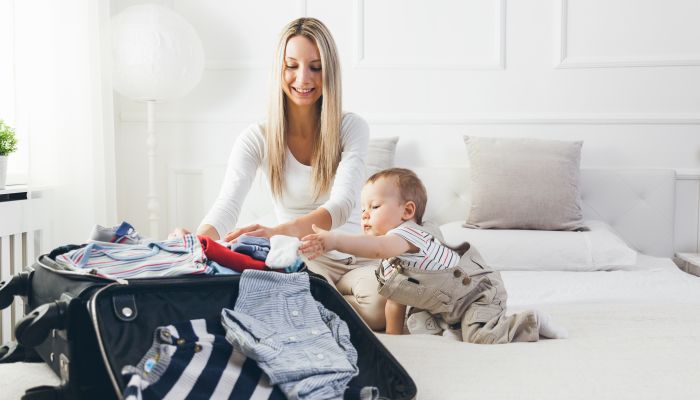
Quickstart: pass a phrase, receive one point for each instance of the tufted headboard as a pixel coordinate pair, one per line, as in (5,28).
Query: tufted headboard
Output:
(638,203)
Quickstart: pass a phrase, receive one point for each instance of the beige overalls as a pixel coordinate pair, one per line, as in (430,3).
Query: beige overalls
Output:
(470,294)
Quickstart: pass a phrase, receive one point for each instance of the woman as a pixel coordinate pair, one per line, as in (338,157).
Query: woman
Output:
(313,156)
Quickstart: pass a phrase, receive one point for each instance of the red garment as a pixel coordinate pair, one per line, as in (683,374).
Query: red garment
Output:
(227,257)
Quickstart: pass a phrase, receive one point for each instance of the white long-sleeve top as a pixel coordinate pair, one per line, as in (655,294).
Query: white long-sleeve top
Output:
(342,201)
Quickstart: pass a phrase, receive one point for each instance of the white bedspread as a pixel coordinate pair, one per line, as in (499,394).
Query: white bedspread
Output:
(634,334)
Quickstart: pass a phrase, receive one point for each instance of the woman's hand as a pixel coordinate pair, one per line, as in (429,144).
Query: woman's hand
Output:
(178,233)
(251,230)
(317,243)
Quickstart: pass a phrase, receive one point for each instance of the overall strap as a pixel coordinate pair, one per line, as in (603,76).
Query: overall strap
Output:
(433,229)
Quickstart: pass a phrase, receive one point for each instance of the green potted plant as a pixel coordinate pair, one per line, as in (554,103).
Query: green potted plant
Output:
(8,144)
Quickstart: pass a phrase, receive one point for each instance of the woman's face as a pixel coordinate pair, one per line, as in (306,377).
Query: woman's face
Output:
(303,82)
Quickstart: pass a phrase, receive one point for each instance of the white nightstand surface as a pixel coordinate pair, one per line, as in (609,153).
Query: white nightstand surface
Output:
(688,262)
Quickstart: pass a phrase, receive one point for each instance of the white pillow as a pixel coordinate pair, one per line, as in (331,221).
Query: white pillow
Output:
(380,154)
(523,183)
(533,250)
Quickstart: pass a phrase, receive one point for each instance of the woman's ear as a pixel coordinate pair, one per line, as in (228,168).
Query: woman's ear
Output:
(409,210)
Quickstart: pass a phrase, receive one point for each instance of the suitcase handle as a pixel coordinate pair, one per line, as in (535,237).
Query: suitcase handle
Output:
(12,352)
(44,393)
(18,285)
(33,329)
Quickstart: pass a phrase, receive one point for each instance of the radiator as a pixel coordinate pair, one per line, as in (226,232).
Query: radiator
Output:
(16,251)
(24,222)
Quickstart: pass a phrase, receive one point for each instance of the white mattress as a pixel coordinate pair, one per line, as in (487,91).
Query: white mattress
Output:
(634,334)
(651,279)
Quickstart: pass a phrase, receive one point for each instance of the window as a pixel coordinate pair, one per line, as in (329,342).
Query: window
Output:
(18,162)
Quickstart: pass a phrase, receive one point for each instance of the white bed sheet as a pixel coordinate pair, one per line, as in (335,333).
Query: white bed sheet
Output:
(634,334)
(651,280)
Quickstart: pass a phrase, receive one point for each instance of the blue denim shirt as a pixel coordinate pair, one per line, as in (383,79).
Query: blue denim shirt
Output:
(300,345)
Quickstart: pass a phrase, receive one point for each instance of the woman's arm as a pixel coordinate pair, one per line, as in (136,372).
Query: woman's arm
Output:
(350,175)
(299,227)
(345,193)
(243,163)
(208,230)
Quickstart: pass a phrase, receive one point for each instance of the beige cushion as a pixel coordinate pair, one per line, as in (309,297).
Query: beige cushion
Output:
(521,183)
(380,154)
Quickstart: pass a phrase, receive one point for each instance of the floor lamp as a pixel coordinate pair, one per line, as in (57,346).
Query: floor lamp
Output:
(156,56)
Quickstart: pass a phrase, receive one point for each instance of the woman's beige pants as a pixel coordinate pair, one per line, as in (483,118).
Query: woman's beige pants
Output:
(357,283)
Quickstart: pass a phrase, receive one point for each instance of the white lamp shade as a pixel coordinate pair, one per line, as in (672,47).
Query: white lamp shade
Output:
(156,54)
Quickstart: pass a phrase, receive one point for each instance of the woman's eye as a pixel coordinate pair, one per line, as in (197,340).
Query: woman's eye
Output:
(316,69)
(290,66)
(375,207)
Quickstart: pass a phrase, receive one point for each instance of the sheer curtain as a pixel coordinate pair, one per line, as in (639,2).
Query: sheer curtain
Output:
(64,104)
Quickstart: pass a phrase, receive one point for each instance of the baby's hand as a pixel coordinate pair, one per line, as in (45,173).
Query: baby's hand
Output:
(178,233)
(317,243)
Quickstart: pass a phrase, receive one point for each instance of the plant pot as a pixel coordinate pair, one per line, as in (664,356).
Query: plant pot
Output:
(3,171)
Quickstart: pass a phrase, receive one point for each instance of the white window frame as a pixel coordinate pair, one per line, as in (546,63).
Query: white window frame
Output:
(18,162)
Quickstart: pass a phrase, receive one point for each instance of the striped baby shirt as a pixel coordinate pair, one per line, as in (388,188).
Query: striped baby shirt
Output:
(193,360)
(431,256)
(178,256)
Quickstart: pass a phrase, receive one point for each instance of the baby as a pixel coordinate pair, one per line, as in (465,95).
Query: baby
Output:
(453,287)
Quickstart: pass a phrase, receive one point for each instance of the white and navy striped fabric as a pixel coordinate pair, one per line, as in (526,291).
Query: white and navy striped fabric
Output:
(431,256)
(179,256)
(193,360)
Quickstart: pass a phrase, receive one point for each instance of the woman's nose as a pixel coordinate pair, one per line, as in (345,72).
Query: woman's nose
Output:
(303,75)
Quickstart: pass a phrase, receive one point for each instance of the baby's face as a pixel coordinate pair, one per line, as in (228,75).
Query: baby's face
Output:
(382,206)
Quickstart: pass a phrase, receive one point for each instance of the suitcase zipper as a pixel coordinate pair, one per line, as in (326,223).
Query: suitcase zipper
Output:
(88,276)
(92,305)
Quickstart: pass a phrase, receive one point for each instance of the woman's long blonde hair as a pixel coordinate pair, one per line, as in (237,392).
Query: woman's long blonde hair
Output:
(326,150)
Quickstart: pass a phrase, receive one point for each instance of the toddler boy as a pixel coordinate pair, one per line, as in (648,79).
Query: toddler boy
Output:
(454,288)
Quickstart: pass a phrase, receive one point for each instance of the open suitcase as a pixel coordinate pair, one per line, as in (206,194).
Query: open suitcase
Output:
(87,327)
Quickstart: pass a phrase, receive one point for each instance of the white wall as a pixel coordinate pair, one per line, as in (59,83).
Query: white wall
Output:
(622,75)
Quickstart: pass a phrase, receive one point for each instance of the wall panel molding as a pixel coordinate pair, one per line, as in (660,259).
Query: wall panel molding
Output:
(564,60)
(179,209)
(447,119)
(232,64)
(360,62)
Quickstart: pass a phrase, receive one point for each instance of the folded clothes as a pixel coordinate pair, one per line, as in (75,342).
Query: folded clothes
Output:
(256,247)
(227,258)
(217,269)
(172,257)
(123,233)
(254,240)
(255,251)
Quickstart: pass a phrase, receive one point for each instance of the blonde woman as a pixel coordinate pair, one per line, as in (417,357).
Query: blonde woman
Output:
(313,156)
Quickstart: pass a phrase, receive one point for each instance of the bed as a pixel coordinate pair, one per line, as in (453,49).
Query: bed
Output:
(634,330)
(633,335)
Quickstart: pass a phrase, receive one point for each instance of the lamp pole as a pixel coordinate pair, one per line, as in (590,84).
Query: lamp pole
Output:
(156,56)
(153,206)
